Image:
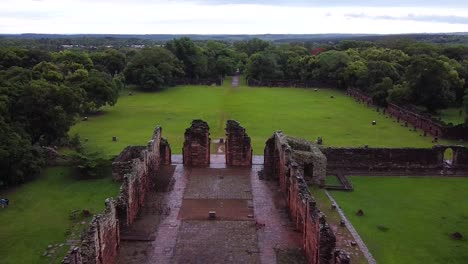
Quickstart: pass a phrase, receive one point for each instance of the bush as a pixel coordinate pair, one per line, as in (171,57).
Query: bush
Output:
(89,164)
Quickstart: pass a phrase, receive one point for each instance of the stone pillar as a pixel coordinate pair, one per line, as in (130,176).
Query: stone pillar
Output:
(165,152)
(196,150)
(238,145)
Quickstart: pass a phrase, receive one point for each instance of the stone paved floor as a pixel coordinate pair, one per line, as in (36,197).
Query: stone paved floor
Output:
(252,219)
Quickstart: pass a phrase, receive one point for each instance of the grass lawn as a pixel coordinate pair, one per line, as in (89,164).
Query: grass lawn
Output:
(39,212)
(410,220)
(452,115)
(298,112)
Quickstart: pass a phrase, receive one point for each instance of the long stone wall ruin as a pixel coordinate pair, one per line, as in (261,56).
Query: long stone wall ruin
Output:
(196,150)
(286,160)
(412,161)
(238,145)
(137,168)
(291,83)
(429,125)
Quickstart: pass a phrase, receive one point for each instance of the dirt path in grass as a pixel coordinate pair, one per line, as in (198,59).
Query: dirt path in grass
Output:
(235,81)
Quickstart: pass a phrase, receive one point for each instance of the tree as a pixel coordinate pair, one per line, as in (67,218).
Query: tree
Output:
(432,82)
(190,55)
(263,66)
(19,160)
(332,65)
(67,57)
(100,90)
(111,61)
(252,46)
(153,69)
(89,164)
(47,71)
(380,91)
(46,111)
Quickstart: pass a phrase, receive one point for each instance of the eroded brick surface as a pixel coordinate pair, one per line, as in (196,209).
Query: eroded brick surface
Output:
(201,242)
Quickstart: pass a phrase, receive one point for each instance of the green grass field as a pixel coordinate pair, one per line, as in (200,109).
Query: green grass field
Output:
(39,212)
(298,112)
(419,213)
(452,115)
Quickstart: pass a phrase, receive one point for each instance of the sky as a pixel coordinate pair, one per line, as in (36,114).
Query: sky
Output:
(232,17)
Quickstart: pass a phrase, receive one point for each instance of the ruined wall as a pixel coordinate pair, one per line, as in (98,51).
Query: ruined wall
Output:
(196,150)
(414,161)
(427,124)
(460,157)
(124,162)
(384,159)
(238,145)
(139,167)
(318,238)
(291,83)
(217,82)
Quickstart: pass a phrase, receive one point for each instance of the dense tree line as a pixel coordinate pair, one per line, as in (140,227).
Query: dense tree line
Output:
(402,72)
(41,96)
(43,92)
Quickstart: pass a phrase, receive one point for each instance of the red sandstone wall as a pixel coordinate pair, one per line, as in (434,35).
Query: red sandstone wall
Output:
(101,240)
(291,83)
(318,239)
(375,159)
(238,147)
(196,150)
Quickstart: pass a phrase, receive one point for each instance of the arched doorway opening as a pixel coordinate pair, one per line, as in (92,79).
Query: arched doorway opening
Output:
(448,156)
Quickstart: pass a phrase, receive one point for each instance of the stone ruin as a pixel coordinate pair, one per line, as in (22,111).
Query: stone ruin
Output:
(397,161)
(289,160)
(306,155)
(137,167)
(238,146)
(196,149)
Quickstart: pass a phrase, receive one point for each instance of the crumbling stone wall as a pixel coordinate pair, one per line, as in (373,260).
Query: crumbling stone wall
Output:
(384,159)
(123,164)
(414,161)
(196,150)
(291,83)
(238,145)
(427,124)
(460,157)
(282,164)
(139,167)
(217,82)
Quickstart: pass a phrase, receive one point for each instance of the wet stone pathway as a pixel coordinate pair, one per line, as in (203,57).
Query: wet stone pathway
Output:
(251,219)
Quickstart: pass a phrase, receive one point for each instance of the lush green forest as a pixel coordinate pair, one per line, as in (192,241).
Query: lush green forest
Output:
(44,91)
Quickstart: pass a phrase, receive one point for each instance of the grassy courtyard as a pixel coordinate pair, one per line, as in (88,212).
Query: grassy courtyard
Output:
(39,211)
(298,112)
(410,220)
(39,214)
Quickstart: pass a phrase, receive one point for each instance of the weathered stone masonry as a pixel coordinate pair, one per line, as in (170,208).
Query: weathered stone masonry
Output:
(238,145)
(137,168)
(196,150)
(389,161)
(286,160)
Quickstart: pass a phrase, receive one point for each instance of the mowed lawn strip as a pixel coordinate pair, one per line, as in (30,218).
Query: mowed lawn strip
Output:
(304,113)
(39,213)
(410,220)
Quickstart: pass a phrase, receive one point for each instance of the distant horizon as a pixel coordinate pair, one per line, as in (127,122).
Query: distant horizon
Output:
(240,34)
(232,17)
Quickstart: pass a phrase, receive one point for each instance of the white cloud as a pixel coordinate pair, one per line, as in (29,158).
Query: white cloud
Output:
(182,17)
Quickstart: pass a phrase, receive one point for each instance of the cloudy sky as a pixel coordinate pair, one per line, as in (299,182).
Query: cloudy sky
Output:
(232,17)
